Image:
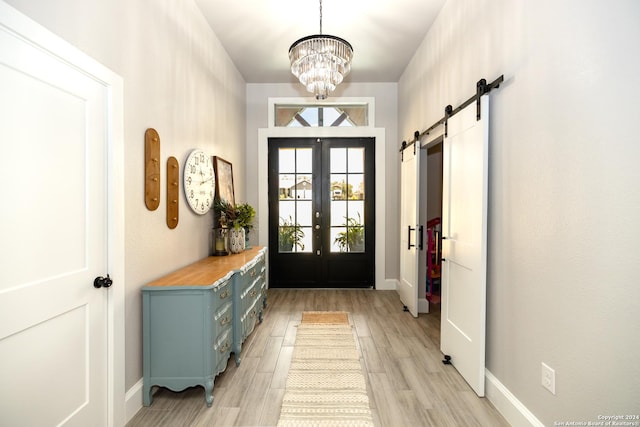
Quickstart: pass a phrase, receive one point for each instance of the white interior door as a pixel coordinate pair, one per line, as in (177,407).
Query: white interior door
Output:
(54,122)
(409,229)
(464,230)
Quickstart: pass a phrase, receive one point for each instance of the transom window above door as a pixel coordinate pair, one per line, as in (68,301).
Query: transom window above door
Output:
(313,115)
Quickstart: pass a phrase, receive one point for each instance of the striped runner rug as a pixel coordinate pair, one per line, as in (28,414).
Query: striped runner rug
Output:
(325,386)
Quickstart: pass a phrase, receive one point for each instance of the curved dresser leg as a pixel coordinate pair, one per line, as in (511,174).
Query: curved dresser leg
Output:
(147,397)
(208,392)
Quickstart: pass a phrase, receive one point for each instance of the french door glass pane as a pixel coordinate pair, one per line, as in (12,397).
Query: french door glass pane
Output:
(304,160)
(295,205)
(305,212)
(338,160)
(338,212)
(356,160)
(287,160)
(356,186)
(347,199)
(336,232)
(338,186)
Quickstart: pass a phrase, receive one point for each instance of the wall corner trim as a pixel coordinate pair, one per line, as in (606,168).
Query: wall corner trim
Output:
(507,404)
(387,285)
(133,401)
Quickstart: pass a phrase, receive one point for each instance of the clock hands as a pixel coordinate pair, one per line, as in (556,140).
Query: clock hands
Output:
(206,180)
(202,175)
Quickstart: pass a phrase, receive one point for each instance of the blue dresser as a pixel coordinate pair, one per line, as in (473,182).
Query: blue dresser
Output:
(195,317)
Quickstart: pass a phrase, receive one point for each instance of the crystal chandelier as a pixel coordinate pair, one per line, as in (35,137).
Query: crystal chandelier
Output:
(320,61)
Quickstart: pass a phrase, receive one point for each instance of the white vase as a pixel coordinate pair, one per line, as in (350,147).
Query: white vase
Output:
(236,240)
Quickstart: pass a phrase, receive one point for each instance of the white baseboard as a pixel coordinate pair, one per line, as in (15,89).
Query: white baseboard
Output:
(423,305)
(387,285)
(133,400)
(507,404)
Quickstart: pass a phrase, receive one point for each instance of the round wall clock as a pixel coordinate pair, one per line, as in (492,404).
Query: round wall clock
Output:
(199,181)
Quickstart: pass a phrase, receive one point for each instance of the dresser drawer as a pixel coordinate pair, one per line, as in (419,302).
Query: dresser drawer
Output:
(250,318)
(222,351)
(263,288)
(250,294)
(222,294)
(261,268)
(222,319)
(250,274)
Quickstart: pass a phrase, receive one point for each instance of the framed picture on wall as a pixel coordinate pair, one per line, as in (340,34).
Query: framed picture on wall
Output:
(224,180)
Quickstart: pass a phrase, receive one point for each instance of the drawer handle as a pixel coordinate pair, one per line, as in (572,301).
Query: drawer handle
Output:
(225,347)
(252,293)
(225,294)
(253,313)
(224,321)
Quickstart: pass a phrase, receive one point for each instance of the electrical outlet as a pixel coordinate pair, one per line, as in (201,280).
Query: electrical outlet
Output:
(548,378)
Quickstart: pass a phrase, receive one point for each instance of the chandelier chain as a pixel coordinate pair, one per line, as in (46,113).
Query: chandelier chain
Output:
(320,16)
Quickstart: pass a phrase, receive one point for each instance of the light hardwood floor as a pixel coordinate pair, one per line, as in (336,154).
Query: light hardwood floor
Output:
(407,383)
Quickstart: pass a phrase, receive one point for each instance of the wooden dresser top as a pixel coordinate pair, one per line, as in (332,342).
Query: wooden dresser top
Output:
(208,270)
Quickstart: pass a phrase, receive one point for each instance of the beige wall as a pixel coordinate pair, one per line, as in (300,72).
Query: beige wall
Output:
(178,80)
(564,201)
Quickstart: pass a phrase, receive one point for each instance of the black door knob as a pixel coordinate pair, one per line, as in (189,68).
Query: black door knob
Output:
(102,282)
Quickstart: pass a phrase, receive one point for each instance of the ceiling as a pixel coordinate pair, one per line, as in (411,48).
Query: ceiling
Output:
(257,34)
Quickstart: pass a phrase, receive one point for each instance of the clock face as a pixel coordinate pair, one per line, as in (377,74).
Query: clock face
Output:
(199,181)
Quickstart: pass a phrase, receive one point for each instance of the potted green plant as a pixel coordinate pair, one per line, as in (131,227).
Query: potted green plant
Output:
(352,239)
(290,234)
(229,219)
(244,218)
(225,213)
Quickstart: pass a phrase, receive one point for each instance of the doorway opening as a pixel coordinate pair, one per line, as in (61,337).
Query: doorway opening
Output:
(431,216)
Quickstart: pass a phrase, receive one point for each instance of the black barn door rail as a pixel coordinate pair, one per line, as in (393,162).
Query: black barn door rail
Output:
(481,88)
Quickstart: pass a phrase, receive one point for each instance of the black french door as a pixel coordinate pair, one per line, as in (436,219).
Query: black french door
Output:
(321,212)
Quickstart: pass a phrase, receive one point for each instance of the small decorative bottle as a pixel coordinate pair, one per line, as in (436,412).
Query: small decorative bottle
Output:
(220,242)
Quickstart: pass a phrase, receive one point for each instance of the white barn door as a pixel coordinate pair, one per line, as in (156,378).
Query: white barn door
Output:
(55,129)
(464,245)
(409,229)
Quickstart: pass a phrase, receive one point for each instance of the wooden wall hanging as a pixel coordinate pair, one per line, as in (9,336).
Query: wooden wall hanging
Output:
(173,190)
(151,169)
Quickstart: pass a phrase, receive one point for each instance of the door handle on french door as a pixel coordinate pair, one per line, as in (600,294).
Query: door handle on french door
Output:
(409,229)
